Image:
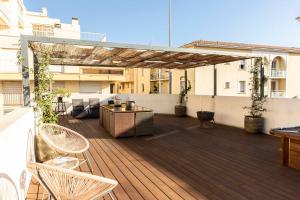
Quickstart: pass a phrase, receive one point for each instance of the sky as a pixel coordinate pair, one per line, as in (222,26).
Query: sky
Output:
(146,21)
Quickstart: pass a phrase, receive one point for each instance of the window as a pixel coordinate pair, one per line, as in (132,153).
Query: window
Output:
(182,83)
(274,64)
(89,87)
(242,86)
(42,30)
(102,71)
(58,84)
(227,85)
(242,65)
(143,87)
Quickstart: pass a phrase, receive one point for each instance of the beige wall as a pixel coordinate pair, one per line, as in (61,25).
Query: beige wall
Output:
(229,110)
(293,71)
(72,86)
(141,76)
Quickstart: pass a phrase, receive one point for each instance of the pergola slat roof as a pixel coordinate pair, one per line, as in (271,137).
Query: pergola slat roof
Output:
(105,54)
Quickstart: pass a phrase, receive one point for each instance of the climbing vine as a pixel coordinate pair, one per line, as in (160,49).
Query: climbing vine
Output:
(44,97)
(257,108)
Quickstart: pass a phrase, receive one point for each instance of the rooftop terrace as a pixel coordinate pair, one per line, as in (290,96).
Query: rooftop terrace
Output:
(184,161)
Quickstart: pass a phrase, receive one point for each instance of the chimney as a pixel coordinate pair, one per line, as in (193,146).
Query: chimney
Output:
(75,21)
(44,11)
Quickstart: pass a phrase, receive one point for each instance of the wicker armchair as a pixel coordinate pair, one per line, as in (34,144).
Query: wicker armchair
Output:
(66,184)
(64,140)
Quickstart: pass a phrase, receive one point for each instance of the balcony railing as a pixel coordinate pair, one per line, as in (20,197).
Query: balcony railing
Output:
(12,99)
(93,36)
(155,77)
(71,34)
(278,73)
(278,94)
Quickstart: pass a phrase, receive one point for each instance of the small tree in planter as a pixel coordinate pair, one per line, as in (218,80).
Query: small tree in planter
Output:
(61,93)
(254,122)
(180,108)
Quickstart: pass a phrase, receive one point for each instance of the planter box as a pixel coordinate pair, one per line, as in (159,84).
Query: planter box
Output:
(254,125)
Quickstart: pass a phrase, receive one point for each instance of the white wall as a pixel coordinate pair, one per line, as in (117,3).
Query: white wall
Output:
(15,129)
(229,110)
(160,103)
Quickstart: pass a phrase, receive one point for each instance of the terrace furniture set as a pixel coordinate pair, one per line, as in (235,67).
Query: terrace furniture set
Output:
(124,121)
(79,110)
(57,175)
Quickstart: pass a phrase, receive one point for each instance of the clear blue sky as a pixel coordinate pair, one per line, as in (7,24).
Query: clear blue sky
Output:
(146,21)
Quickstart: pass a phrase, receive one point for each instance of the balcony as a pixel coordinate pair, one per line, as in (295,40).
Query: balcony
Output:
(278,74)
(278,94)
(156,77)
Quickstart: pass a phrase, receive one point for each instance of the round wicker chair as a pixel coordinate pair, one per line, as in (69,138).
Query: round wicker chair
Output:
(65,140)
(66,184)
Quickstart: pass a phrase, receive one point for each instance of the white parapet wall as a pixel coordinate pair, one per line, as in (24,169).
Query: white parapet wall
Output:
(229,110)
(16,134)
(160,103)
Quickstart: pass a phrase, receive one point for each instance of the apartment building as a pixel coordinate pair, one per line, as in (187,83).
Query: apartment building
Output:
(282,74)
(15,20)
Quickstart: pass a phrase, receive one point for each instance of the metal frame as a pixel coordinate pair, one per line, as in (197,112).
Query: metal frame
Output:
(25,39)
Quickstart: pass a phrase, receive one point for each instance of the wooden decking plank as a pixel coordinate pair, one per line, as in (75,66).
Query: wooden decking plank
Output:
(106,169)
(193,163)
(170,187)
(122,154)
(135,181)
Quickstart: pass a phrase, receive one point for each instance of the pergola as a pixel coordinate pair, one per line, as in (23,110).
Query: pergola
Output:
(74,52)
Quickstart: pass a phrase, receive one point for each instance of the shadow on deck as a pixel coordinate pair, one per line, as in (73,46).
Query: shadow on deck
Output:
(184,161)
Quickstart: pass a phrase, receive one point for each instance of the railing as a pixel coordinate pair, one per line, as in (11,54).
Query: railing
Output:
(155,77)
(93,36)
(43,33)
(277,94)
(278,73)
(71,34)
(12,99)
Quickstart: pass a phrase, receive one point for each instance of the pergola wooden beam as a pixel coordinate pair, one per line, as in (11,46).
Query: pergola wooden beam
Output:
(76,52)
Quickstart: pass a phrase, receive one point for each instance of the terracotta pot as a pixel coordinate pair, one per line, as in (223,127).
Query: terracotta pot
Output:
(180,110)
(254,125)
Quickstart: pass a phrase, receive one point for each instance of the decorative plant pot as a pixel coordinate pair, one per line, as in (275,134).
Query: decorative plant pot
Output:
(205,116)
(254,125)
(59,99)
(180,110)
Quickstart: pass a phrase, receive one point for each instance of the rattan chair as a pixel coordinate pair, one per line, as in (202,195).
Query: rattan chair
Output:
(65,141)
(66,184)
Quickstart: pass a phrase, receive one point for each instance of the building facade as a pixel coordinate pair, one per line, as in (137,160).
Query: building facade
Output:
(16,20)
(233,78)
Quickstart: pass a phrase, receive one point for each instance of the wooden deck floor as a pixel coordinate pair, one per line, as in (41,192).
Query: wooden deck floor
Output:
(184,161)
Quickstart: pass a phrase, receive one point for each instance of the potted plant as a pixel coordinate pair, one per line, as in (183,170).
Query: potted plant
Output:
(61,93)
(180,108)
(254,122)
